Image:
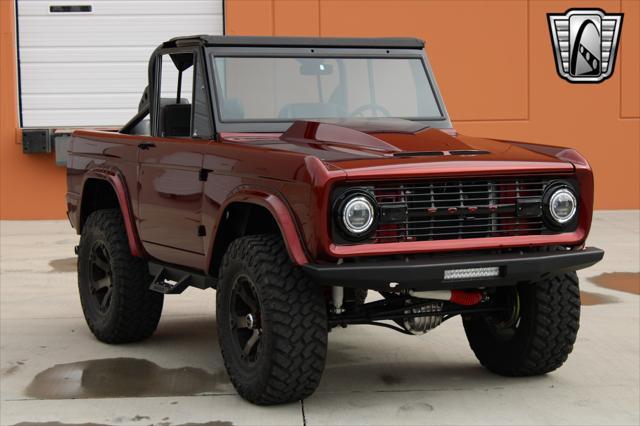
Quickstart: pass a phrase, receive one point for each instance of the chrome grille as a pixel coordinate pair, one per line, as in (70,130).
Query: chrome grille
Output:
(454,209)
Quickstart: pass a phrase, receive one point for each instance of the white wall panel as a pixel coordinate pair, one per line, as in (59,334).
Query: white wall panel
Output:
(89,68)
(52,118)
(42,101)
(85,54)
(83,78)
(126,7)
(108,31)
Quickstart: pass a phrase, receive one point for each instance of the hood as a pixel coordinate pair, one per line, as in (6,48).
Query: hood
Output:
(400,144)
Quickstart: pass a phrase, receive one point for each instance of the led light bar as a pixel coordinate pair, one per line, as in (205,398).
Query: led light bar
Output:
(468,273)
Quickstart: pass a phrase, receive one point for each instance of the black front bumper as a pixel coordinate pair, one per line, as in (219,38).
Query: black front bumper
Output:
(428,273)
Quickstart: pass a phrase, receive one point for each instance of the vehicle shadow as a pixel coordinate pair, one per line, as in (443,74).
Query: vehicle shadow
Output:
(183,358)
(350,367)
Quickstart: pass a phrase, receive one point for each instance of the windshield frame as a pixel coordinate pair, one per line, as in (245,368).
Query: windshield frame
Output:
(279,125)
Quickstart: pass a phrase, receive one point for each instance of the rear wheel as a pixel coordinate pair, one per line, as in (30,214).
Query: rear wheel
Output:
(537,332)
(272,323)
(113,285)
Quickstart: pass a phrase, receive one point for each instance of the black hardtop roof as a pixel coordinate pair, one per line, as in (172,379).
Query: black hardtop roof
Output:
(261,41)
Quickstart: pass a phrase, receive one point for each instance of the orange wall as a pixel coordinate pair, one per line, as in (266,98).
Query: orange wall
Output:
(31,186)
(493,61)
(494,64)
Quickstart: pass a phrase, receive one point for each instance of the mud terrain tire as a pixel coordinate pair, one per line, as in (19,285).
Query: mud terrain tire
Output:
(288,314)
(114,285)
(543,339)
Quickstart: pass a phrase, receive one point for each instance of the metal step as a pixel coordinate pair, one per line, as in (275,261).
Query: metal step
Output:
(169,279)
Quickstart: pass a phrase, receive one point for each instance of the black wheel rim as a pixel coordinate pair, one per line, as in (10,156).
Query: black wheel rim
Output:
(101,277)
(245,319)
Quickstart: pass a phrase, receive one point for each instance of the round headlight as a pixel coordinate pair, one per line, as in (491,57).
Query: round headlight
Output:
(562,205)
(358,215)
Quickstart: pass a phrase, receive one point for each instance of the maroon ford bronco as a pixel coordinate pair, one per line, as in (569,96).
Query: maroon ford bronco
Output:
(294,176)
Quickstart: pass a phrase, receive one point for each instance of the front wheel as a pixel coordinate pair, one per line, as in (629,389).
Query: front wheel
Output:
(537,332)
(272,322)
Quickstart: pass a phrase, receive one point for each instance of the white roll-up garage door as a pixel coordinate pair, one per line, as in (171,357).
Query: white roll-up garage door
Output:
(84,63)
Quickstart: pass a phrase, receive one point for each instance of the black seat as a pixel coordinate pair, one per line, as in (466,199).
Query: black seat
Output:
(176,120)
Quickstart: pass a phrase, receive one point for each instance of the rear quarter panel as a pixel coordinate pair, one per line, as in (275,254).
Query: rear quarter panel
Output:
(95,150)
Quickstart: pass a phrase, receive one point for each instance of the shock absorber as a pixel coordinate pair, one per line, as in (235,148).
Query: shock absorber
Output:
(337,295)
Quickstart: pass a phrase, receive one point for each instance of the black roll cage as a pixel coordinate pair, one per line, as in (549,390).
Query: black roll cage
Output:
(206,48)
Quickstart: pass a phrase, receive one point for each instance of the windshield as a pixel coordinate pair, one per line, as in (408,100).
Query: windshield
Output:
(290,88)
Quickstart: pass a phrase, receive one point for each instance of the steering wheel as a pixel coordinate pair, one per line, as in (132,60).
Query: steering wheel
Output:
(359,112)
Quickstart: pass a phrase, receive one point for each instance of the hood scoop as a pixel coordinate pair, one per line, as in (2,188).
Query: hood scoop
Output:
(354,139)
(324,134)
(436,153)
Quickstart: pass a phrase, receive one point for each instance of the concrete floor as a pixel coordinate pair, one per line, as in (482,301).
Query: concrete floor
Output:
(54,372)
